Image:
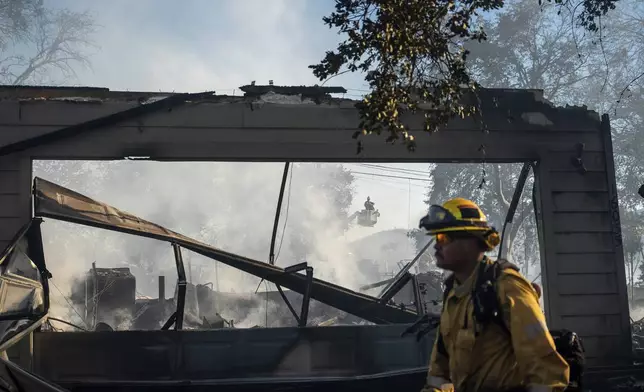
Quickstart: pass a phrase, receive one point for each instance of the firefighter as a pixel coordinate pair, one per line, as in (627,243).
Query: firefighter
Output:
(369,205)
(468,356)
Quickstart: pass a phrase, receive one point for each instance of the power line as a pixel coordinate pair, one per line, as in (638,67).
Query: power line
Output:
(395,169)
(394,176)
(390,176)
(392,183)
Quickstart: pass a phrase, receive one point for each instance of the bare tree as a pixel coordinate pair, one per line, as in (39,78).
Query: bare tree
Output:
(40,45)
(14,19)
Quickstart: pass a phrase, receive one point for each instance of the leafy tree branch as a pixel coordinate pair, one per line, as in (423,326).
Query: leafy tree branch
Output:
(414,55)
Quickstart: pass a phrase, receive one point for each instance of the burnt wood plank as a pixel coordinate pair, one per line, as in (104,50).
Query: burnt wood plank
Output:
(584,242)
(561,161)
(603,346)
(506,113)
(8,162)
(580,202)
(445,140)
(9,112)
(9,182)
(9,227)
(587,284)
(582,221)
(249,151)
(586,263)
(594,305)
(575,182)
(593,325)
(10,206)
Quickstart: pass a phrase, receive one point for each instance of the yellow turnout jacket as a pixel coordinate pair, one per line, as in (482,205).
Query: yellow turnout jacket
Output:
(494,360)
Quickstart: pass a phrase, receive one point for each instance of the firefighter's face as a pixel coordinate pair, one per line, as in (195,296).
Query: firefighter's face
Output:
(455,251)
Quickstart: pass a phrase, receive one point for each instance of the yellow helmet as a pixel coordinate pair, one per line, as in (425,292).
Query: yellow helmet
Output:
(460,215)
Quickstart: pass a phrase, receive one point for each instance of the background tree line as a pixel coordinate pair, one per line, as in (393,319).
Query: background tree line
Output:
(537,47)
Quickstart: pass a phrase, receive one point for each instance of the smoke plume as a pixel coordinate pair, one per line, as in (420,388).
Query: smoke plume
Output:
(229,205)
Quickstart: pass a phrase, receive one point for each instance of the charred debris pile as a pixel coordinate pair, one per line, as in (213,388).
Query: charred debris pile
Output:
(637,328)
(108,297)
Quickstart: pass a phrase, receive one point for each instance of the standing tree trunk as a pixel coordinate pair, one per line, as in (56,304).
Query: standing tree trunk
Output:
(630,277)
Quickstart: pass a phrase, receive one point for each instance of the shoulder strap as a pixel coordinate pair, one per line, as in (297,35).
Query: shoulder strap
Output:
(505,264)
(487,307)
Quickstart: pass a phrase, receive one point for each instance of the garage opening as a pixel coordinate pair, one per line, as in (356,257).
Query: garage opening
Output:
(354,223)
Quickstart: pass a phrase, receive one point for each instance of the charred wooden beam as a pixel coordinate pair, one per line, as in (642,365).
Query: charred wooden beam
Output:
(305,91)
(102,122)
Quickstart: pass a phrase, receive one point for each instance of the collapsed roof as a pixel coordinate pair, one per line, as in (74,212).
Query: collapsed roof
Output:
(54,201)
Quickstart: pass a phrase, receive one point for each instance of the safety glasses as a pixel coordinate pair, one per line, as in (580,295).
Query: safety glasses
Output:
(443,239)
(446,238)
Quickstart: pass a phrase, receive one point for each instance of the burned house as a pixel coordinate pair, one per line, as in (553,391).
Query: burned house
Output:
(105,295)
(569,150)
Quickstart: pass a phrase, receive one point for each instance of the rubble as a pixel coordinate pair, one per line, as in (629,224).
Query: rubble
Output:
(624,379)
(637,330)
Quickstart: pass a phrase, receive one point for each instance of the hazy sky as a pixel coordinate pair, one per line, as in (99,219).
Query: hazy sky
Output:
(198,45)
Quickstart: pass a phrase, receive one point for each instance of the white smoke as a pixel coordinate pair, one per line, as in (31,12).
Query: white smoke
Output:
(228,205)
